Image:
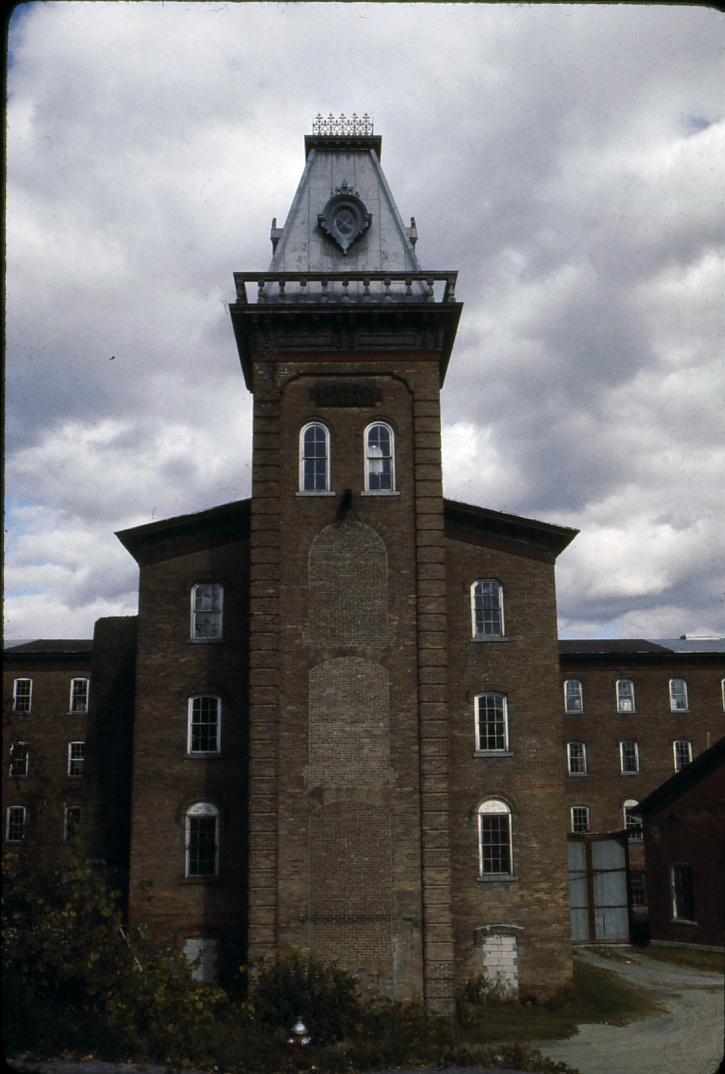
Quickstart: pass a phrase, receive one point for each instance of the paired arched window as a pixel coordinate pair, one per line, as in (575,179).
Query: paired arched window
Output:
(492,731)
(204,724)
(379,458)
(487,608)
(494,839)
(207,608)
(202,840)
(314,458)
(573,696)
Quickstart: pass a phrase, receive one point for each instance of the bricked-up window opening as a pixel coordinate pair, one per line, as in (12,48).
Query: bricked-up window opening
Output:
(76,758)
(573,696)
(491,723)
(379,458)
(637,888)
(202,840)
(207,607)
(580,818)
(576,755)
(19,760)
(678,695)
(632,820)
(71,821)
(314,458)
(683,896)
(494,838)
(78,695)
(22,695)
(625,695)
(204,724)
(629,757)
(487,608)
(682,751)
(15,824)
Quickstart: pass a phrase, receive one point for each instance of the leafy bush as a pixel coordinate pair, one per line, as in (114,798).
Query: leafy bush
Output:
(302,986)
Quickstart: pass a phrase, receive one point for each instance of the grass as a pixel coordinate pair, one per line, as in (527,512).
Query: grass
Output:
(706,961)
(599,996)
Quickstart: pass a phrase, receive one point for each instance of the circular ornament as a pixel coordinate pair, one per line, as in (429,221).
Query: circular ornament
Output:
(345,218)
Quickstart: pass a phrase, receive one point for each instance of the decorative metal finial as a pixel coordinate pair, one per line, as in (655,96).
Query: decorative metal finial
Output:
(342,126)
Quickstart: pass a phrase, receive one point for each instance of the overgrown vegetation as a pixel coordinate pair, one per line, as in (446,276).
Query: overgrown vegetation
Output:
(705,961)
(76,981)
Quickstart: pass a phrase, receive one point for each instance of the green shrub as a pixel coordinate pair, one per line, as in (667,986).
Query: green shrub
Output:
(302,986)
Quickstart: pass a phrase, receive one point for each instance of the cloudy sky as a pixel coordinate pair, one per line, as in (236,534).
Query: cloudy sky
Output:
(568,161)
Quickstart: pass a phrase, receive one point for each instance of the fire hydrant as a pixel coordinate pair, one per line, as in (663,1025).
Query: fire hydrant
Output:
(299,1035)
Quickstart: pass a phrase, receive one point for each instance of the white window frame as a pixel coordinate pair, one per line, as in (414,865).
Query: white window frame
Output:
(576,765)
(74,709)
(673,887)
(632,820)
(303,458)
(478,594)
(200,809)
(624,703)
(680,704)
(196,633)
(495,807)
(679,761)
(190,725)
(9,823)
(640,874)
(24,757)
(500,717)
(629,771)
(369,459)
(24,708)
(69,829)
(578,813)
(578,705)
(78,762)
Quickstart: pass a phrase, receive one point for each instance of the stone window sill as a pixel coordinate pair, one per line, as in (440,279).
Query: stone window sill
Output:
(682,921)
(380,492)
(482,639)
(492,753)
(199,880)
(204,756)
(205,641)
(578,775)
(304,493)
(497,878)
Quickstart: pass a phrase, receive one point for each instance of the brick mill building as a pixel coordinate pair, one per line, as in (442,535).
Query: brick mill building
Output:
(336,723)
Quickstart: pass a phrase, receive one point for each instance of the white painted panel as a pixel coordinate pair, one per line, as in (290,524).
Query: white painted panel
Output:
(500,962)
(206,951)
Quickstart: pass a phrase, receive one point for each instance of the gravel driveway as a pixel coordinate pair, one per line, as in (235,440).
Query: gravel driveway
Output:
(686,1039)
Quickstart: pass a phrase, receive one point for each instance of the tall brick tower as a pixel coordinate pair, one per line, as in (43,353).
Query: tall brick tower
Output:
(344,343)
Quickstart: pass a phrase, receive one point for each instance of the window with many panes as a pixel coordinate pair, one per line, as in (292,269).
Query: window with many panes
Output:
(637,888)
(207,609)
(15,824)
(314,458)
(628,757)
(71,821)
(487,608)
(494,839)
(678,695)
(632,820)
(625,695)
(19,759)
(580,818)
(576,758)
(22,695)
(573,696)
(379,458)
(204,735)
(683,895)
(491,723)
(682,753)
(202,840)
(78,695)
(76,758)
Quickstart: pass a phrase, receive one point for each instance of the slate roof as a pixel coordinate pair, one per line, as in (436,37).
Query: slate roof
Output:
(636,646)
(59,645)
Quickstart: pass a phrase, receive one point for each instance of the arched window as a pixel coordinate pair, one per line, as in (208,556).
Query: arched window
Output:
(207,607)
(678,695)
(494,839)
(379,458)
(492,732)
(632,820)
(682,753)
(202,840)
(576,756)
(487,608)
(205,724)
(625,695)
(314,458)
(573,696)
